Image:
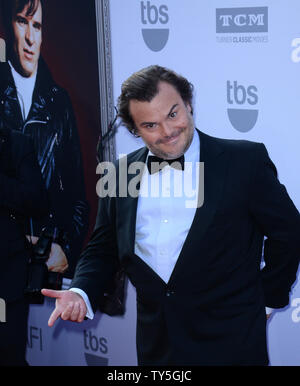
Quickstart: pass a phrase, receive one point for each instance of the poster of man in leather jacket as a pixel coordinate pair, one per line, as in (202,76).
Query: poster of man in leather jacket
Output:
(33,102)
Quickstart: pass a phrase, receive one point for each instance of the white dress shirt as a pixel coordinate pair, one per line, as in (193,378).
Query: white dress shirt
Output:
(25,87)
(164,212)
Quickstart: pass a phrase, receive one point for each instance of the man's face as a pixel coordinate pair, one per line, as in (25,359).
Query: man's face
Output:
(165,123)
(27,32)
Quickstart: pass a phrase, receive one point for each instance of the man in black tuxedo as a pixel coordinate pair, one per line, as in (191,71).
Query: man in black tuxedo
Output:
(22,196)
(195,261)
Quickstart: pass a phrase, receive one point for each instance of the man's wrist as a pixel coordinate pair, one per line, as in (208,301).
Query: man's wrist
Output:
(89,314)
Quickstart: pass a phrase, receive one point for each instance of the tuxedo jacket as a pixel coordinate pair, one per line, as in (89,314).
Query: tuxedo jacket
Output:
(22,196)
(212,310)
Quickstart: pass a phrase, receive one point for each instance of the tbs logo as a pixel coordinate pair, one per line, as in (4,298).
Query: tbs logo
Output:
(155,38)
(95,344)
(242,120)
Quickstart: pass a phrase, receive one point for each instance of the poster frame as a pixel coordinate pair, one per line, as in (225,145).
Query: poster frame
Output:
(107,150)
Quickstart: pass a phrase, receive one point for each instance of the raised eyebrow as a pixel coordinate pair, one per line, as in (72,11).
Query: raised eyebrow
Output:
(153,123)
(172,109)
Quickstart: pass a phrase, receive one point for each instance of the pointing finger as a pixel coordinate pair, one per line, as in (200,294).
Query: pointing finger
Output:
(53,317)
(51,293)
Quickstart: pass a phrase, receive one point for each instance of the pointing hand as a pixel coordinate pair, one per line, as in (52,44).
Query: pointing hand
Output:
(69,306)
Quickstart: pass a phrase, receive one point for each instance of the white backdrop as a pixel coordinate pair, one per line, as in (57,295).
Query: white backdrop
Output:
(245,66)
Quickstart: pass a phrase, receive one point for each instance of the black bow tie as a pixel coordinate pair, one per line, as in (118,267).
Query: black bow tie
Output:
(155,164)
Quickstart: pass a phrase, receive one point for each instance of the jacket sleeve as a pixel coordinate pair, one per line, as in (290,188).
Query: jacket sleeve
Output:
(99,260)
(22,192)
(279,220)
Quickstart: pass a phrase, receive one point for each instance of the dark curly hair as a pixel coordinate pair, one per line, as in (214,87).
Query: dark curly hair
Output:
(143,86)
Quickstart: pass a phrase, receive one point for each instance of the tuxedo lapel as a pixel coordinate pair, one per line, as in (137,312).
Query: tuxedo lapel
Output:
(127,205)
(215,165)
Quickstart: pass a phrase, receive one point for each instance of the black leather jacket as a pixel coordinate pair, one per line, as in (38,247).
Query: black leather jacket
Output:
(52,126)
(22,195)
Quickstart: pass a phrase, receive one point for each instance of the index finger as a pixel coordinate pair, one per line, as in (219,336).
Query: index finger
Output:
(54,316)
(51,293)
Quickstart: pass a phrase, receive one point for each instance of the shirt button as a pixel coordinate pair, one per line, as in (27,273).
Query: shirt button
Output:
(170,293)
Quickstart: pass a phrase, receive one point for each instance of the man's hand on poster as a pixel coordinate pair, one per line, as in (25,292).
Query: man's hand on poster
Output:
(69,306)
(57,261)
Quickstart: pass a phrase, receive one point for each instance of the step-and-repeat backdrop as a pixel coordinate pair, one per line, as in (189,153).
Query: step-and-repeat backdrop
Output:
(243,58)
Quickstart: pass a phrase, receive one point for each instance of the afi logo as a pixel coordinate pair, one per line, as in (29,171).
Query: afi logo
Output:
(242,120)
(238,20)
(35,338)
(2,50)
(2,311)
(155,38)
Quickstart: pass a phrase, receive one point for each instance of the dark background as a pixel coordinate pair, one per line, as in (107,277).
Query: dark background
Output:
(69,48)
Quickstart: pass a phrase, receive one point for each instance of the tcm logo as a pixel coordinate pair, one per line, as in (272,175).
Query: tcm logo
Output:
(2,311)
(296,52)
(155,38)
(2,50)
(242,119)
(239,20)
(95,344)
